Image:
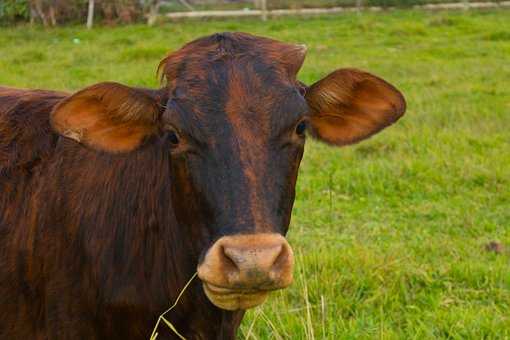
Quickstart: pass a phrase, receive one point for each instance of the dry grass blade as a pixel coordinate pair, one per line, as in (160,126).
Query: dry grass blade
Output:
(154,334)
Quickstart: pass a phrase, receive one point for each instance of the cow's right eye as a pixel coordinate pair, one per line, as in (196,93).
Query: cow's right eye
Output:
(173,138)
(172,135)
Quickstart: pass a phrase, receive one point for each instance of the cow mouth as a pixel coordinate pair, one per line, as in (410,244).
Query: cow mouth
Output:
(234,299)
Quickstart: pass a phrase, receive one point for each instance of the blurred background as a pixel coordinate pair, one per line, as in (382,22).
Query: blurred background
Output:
(404,236)
(55,12)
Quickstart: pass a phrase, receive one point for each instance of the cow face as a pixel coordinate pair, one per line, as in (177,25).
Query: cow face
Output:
(234,119)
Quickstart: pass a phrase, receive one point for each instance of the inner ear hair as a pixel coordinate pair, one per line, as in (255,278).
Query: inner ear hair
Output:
(108,116)
(350,105)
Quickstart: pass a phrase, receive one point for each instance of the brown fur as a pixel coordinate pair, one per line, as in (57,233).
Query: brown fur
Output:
(73,266)
(103,218)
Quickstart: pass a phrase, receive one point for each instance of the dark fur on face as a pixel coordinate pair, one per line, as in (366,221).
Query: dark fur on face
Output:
(242,152)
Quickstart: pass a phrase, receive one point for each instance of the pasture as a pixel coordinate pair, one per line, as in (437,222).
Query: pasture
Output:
(390,235)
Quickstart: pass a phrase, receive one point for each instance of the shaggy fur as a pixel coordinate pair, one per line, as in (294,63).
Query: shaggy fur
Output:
(109,198)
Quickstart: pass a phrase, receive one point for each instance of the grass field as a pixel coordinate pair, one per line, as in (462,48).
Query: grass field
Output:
(391,233)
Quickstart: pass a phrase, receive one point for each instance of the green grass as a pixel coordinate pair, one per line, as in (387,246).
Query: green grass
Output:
(389,234)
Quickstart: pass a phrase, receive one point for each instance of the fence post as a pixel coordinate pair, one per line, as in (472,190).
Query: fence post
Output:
(40,12)
(263,6)
(90,15)
(358,6)
(153,12)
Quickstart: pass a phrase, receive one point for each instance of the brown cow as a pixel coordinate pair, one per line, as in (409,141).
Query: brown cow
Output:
(111,198)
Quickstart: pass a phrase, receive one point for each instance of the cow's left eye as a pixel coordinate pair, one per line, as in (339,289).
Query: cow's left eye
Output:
(173,138)
(301,128)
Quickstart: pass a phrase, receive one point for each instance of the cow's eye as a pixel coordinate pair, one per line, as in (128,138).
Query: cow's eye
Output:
(173,137)
(301,128)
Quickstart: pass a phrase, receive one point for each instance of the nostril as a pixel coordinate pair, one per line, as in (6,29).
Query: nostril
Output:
(274,255)
(230,259)
(281,260)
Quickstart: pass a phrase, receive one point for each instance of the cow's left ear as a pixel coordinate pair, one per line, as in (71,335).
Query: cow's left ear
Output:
(350,105)
(107,116)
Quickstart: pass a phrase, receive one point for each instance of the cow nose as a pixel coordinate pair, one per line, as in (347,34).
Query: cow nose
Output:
(260,262)
(261,259)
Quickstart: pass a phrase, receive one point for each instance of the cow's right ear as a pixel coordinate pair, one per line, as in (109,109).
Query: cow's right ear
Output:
(108,117)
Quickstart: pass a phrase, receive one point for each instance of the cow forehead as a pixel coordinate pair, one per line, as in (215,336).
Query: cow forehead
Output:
(194,61)
(234,79)
(236,95)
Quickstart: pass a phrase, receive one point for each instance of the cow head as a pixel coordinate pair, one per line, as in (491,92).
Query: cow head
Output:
(234,119)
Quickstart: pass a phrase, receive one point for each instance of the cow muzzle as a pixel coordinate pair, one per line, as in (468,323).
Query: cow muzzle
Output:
(239,271)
